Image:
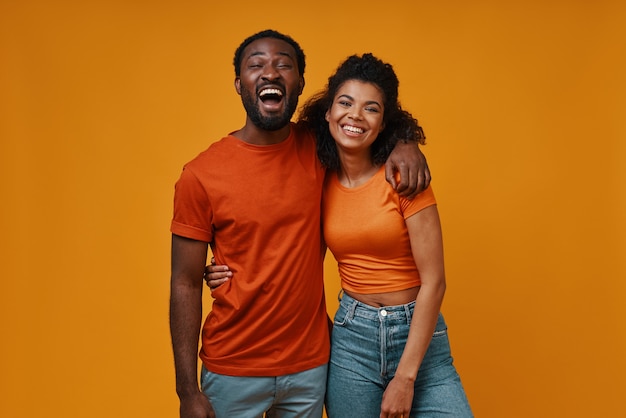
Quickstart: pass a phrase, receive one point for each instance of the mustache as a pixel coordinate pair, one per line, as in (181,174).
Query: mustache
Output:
(274,85)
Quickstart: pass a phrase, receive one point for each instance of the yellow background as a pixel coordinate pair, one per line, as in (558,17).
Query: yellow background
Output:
(523,104)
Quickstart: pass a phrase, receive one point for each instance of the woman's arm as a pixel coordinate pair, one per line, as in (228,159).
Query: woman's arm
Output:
(216,275)
(427,246)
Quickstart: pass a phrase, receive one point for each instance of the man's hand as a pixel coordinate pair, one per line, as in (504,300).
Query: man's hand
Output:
(407,159)
(196,406)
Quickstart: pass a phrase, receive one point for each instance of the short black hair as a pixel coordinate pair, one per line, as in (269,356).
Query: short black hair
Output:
(269,33)
(399,124)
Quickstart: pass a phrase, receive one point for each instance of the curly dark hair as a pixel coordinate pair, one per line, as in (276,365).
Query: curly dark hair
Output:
(399,124)
(269,33)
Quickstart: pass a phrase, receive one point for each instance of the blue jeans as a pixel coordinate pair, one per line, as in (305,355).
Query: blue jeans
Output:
(298,395)
(366,347)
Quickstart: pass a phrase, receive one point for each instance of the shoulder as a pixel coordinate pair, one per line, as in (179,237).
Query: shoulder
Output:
(215,152)
(419,202)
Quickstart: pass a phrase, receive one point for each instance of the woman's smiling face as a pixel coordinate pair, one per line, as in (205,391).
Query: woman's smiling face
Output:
(355,117)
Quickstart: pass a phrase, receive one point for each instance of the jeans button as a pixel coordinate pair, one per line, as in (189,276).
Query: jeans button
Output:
(383,313)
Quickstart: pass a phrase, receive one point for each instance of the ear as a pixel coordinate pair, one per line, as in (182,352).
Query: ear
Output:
(301,85)
(326,115)
(238,85)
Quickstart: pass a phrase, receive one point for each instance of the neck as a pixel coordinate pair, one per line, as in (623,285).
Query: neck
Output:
(254,135)
(356,169)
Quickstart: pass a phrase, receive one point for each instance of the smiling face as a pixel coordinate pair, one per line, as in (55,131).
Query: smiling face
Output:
(270,83)
(355,117)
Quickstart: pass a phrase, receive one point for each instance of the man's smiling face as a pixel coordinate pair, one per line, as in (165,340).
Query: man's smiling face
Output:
(270,83)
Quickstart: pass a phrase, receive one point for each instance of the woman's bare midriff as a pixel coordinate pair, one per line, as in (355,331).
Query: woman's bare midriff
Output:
(378,300)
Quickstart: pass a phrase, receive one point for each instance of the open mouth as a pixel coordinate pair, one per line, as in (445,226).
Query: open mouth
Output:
(271,95)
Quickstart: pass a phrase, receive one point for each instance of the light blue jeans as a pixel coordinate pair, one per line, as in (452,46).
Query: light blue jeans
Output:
(366,347)
(298,395)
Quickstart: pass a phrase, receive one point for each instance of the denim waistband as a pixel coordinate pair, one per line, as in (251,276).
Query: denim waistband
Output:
(388,313)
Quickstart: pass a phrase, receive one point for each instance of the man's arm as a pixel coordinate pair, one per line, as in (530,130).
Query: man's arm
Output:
(188,261)
(408,160)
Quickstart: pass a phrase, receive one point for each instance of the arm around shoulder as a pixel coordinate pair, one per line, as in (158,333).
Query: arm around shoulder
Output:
(408,160)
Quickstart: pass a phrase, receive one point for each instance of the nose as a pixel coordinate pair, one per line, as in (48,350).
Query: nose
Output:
(355,113)
(270,73)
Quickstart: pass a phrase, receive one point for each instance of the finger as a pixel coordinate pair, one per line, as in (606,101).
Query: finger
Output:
(217,275)
(427,176)
(410,192)
(390,175)
(216,283)
(405,180)
(213,260)
(410,186)
(213,268)
(218,268)
(424,179)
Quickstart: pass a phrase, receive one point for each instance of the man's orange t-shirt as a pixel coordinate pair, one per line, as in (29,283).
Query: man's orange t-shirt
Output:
(259,208)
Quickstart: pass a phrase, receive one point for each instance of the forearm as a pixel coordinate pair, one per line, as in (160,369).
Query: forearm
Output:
(425,315)
(188,261)
(185,323)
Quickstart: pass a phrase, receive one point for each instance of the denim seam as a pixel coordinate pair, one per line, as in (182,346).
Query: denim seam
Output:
(383,346)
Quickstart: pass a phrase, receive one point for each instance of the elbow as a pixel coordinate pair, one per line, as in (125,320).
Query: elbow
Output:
(437,286)
(181,283)
(440,287)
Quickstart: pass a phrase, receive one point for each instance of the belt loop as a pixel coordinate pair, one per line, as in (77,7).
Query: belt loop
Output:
(407,311)
(350,305)
(352,309)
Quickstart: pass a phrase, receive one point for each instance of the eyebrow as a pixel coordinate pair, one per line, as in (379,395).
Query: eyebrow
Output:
(370,102)
(260,53)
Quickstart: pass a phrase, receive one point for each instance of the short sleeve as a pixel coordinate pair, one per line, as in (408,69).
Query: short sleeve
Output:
(192,210)
(419,202)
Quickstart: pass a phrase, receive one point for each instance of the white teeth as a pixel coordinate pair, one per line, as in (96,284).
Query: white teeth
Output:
(270,91)
(353,129)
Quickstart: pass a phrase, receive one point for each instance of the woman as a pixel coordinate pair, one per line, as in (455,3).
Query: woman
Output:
(390,355)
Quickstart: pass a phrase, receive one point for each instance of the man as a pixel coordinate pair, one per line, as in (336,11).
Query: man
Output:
(254,196)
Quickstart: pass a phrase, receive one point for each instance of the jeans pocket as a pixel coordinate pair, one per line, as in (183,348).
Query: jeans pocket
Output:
(440,333)
(341,316)
(438,352)
(441,329)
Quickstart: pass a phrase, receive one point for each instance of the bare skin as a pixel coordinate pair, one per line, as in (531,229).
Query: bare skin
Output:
(400,297)
(188,260)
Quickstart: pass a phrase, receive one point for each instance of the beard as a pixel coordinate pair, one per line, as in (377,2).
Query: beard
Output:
(273,122)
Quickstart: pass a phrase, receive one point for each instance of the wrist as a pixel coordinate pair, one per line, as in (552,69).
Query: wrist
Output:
(188,392)
(405,377)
